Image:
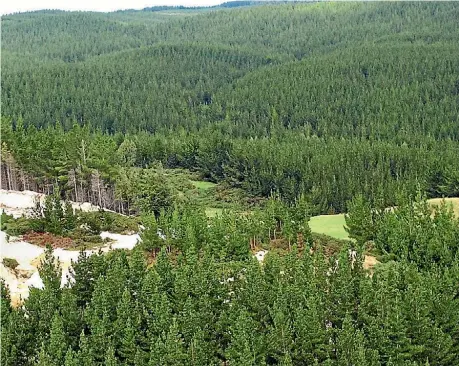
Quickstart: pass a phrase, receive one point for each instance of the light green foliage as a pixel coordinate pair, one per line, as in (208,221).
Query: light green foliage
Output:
(210,302)
(202,184)
(57,348)
(362,220)
(212,211)
(414,233)
(71,358)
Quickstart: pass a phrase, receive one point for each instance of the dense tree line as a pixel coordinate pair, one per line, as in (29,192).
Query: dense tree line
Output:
(396,92)
(121,171)
(205,301)
(160,87)
(354,75)
(295,30)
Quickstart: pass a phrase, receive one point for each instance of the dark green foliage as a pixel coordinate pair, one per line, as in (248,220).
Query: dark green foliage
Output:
(322,100)
(57,347)
(5,219)
(101,220)
(52,216)
(321,107)
(294,309)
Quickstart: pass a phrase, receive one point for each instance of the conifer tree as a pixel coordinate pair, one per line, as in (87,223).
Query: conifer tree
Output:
(71,358)
(44,359)
(245,346)
(128,348)
(173,344)
(200,350)
(57,348)
(86,353)
(137,266)
(350,347)
(164,269)
(360,220)
(110,359)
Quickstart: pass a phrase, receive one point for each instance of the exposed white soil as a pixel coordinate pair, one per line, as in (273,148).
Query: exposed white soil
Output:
(18,203)
(29,256)
(121,241)
(260,255)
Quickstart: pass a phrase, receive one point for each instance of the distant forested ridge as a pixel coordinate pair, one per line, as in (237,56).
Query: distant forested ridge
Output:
(327,100)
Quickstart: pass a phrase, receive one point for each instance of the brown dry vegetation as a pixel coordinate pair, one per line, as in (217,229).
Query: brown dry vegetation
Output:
(43,239)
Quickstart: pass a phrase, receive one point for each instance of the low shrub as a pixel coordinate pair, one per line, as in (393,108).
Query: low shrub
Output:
(10,263)
(107,221)
(5,219)
(17,227)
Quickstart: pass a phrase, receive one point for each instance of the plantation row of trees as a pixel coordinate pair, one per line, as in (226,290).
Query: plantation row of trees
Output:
(148,89)
(121,172)
(195,306)
(395,92)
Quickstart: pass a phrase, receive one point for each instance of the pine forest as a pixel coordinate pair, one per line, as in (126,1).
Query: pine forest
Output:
(288,173)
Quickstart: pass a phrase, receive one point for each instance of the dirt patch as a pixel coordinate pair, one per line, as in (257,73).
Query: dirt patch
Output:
(37,261)
(369,262)
(279,243)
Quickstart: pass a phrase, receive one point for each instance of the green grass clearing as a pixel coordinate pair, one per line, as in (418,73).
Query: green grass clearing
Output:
(331,225)
(200,184)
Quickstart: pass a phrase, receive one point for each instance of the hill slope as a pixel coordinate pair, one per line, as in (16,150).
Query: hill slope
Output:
(324,99)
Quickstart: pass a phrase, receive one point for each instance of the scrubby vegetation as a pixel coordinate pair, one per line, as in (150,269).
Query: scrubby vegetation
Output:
(10,263)
(56,223)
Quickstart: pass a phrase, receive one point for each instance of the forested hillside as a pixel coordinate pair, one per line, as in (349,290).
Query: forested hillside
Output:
(327,100)
(220,131)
